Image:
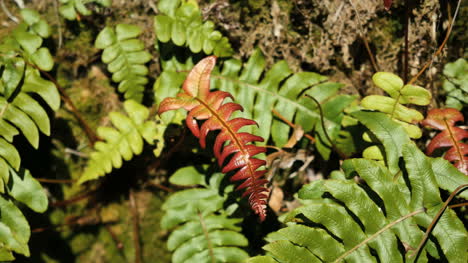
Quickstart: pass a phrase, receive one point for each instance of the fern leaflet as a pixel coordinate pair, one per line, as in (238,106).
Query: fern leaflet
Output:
(451,136)
(121,142)
(125,56)
(202,230)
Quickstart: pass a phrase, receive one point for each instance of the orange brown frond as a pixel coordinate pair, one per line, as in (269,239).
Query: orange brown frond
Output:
(202,104)
(451,136)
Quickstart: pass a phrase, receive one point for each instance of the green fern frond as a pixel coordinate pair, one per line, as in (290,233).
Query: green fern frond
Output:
(393,106)
(20,53)
(126,57)
(72,9)
(344,220)
(456,84)
(182,23)
(202,230)
(122,142)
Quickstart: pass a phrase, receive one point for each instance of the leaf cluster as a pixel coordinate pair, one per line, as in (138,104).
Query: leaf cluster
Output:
(202,230)
(22,91)
(125,56)
(122,142)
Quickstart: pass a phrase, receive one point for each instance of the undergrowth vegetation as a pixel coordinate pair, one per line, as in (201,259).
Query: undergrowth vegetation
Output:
(124,139)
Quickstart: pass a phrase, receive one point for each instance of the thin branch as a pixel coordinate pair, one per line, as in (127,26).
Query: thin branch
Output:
(136,228)
(406,52)
(7,12)
(364,38)
(376,234)
(322,120)
(207,236)
(429,229)
(281,117)
(160,186)
(449,30)
(114,237)
(459,205)
(74,199)
(55,181)
(92,136)
(59,24)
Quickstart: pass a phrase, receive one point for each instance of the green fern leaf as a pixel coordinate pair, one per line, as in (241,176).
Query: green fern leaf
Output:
(14,231)
(24,188)
(181,22)
(390,134)
(71,9)
(125,56)
(455,84)
(21,55)
(203,232)
(121,142)
(399,94)
(344,220)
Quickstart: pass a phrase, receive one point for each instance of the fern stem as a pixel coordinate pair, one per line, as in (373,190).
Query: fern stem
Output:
(92,136)
(322,120)
(458,205)
(367,240)
(439,50)
(207,236)
(429,229)
(293,103)
(135,219)
(234,138)
(55,181)
(364,38)
(455,143)
(290,124)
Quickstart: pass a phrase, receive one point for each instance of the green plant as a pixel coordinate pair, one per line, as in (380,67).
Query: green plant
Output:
(393,106)
(21,58)
(181,22)
(125,56)
(376,220)
(201,229)
(455,84)
(121,142)
(235,147)
(72,9)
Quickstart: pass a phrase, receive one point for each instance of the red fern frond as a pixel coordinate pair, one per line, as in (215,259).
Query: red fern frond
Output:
(202,104)
(388,4)
(451,136)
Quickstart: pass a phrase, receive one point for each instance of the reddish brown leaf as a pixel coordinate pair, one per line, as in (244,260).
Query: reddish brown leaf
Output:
(387,4)
(202,104)
(451,136)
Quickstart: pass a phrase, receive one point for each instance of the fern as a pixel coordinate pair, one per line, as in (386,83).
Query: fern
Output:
(20,112)
(202,231)
(72,9)
(181,23)
(451,136)
(279,89)
(202,104)
(455,84)
(393,106)
(121,142)
(125,56)
(344,220)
